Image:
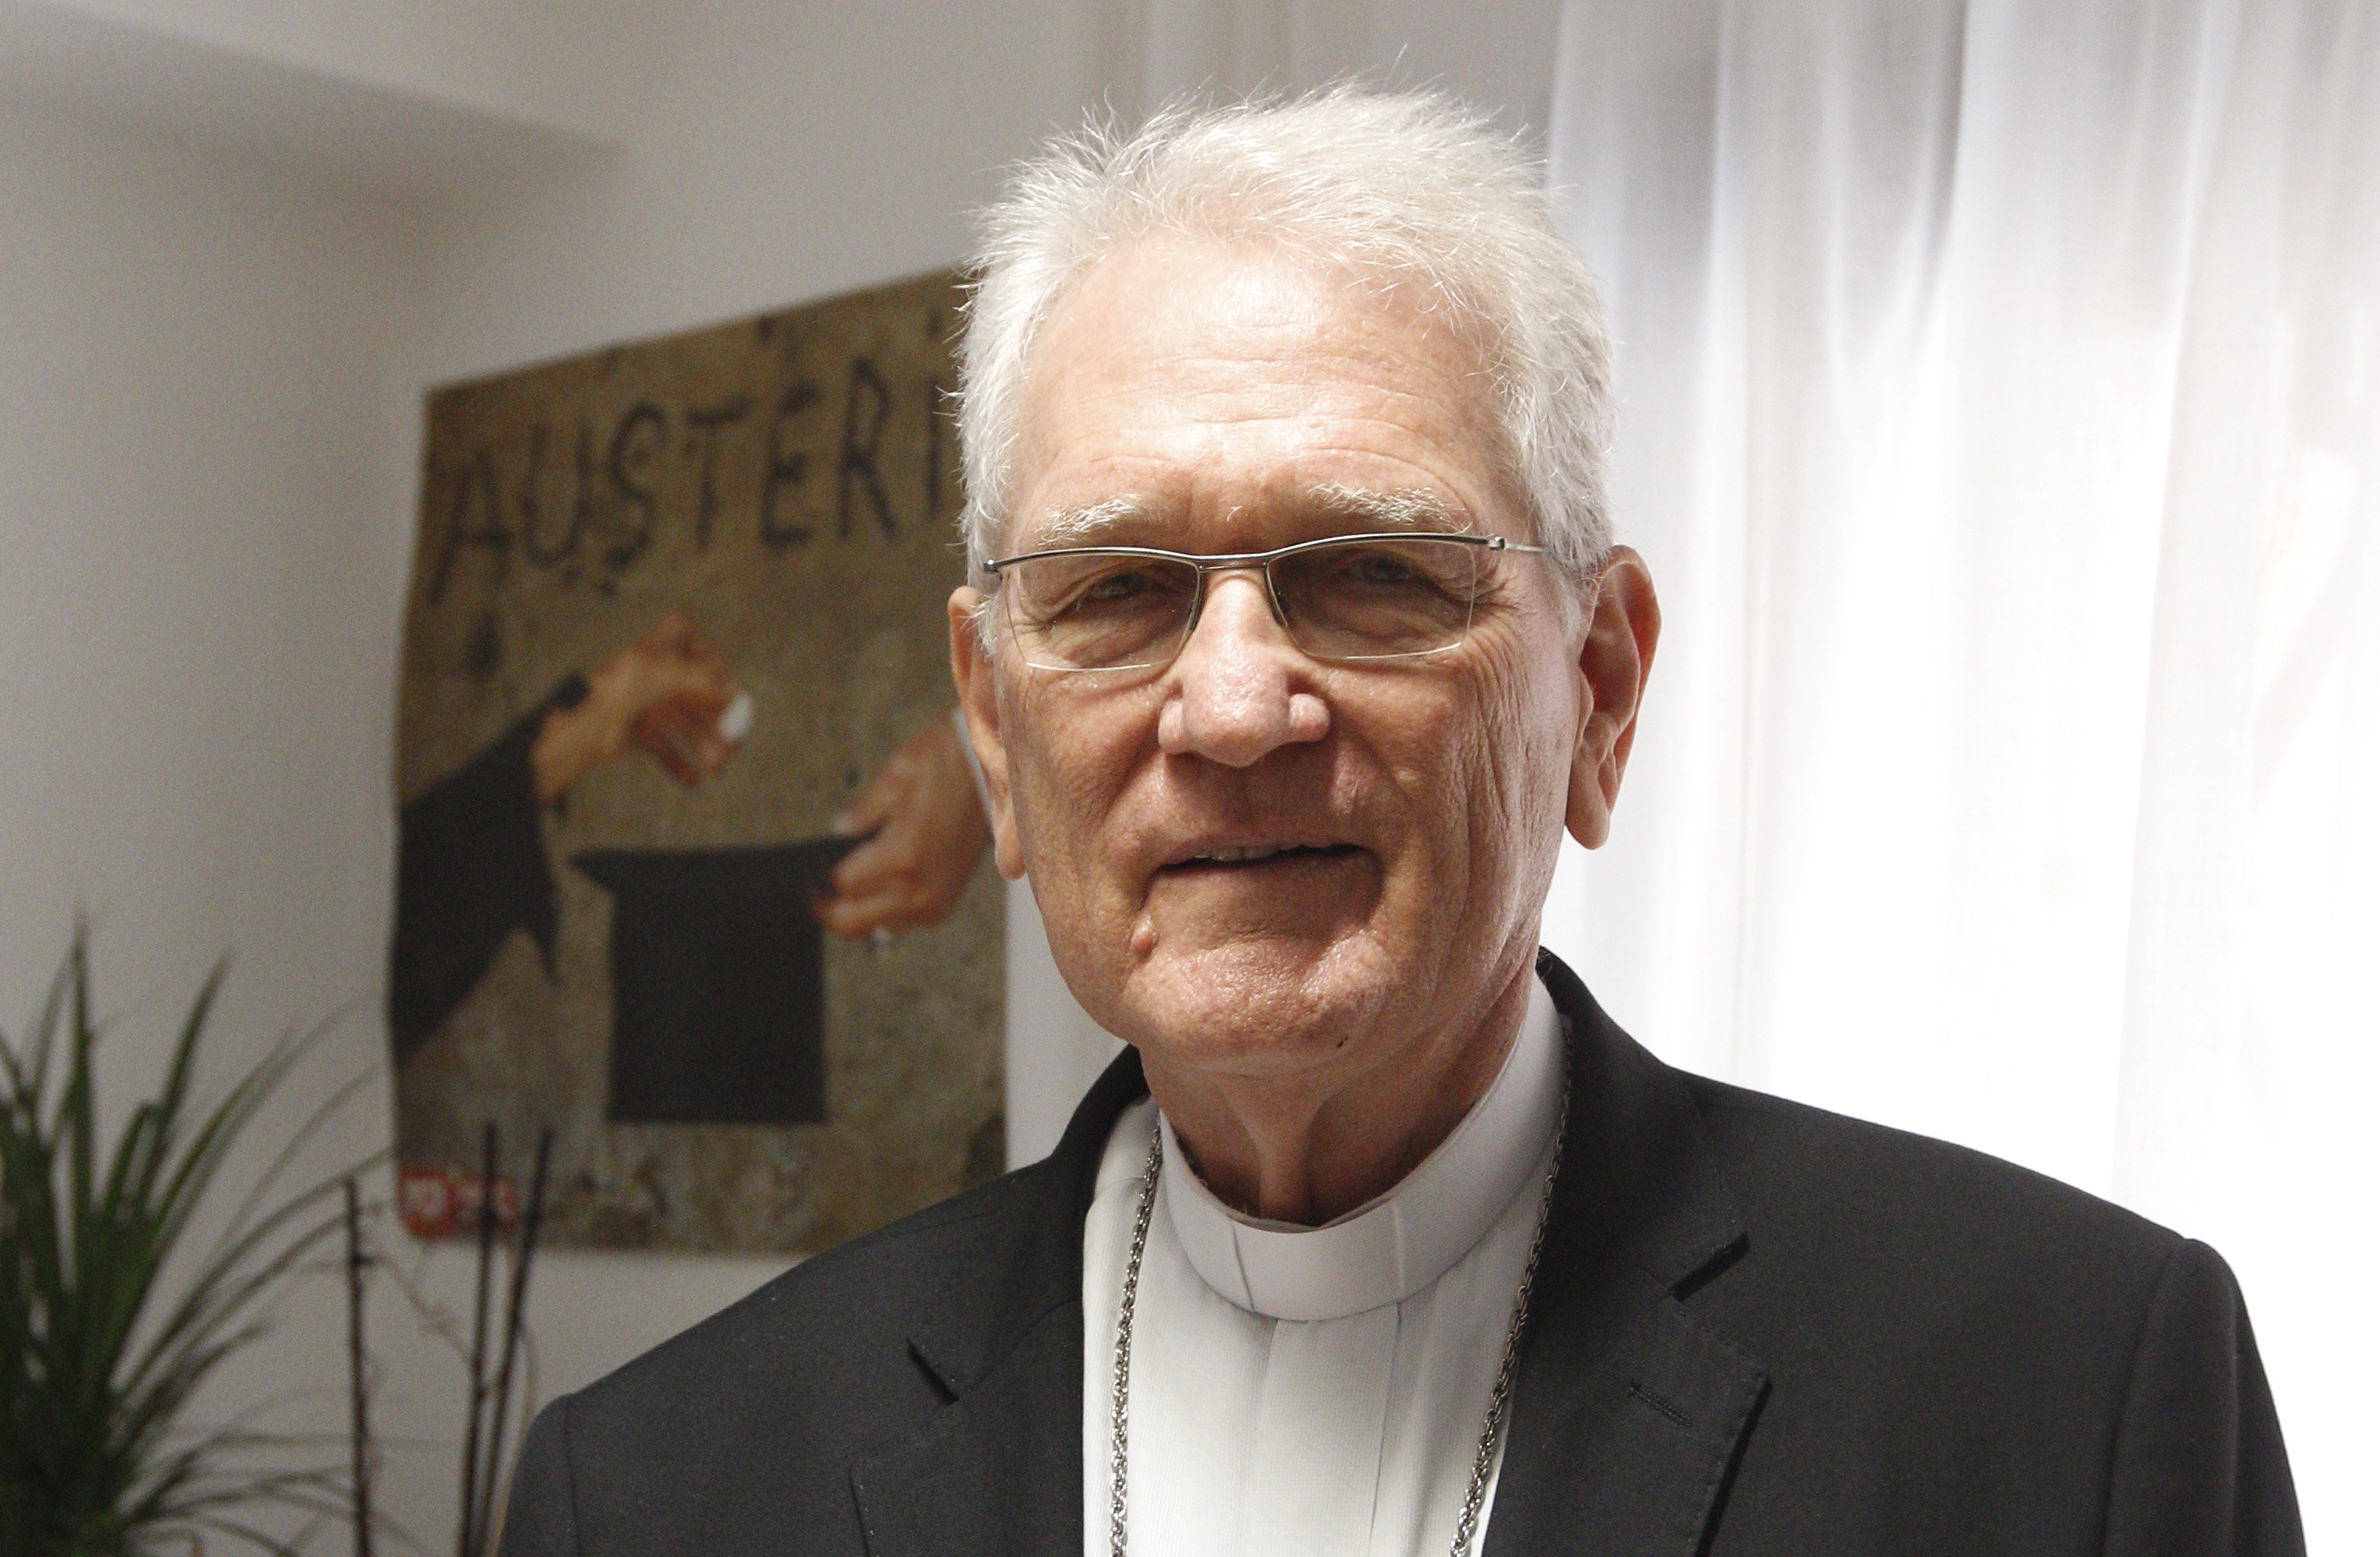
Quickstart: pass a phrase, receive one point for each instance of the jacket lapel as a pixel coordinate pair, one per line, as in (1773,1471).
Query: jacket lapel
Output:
(998,1469)
(1627,1414)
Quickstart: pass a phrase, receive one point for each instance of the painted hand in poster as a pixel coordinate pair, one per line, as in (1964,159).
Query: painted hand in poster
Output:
(669,695)
(927,815)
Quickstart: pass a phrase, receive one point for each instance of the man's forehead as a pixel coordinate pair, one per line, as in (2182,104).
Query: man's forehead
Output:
(1164,323)
(1228,400)
(1321,508)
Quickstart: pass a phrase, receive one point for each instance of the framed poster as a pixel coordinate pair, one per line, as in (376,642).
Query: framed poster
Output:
(675,605)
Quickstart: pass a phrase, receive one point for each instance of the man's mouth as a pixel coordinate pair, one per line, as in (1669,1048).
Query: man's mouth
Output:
(1261,854)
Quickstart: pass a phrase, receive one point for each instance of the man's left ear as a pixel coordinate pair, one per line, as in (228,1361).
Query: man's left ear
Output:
(1622,626)
(971,670)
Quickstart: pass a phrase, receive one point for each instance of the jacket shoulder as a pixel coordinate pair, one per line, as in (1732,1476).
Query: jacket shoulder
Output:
(739,1434)
(1928,1315)
(1874,1194)
(876,1289)
(743,1435)
(1965,1355)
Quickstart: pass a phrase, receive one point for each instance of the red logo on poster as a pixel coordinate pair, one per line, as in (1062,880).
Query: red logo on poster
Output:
(438,1204)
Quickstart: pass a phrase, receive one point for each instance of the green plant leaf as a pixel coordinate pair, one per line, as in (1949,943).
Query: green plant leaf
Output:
(97,1365)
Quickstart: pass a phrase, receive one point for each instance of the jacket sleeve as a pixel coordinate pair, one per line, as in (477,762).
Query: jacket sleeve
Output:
(2200,1470)
(540,1515)
(471,870)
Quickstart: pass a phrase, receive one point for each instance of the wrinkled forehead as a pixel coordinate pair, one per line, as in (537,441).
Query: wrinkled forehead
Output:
(1181,381)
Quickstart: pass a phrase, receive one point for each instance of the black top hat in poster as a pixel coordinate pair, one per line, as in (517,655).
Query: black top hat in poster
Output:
(674,606)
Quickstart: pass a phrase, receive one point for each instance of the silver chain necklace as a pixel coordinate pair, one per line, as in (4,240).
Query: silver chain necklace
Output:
(1466,1525)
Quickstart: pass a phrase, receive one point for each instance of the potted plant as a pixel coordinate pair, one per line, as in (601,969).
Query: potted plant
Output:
(102,1346)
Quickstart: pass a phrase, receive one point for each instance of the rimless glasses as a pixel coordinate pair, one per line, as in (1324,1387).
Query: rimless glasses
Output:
(1386,596)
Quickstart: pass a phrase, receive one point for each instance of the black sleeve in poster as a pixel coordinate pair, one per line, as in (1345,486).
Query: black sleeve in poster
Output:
(471,870)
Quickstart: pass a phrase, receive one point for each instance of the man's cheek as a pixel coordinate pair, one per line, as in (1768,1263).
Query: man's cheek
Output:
(1075,871)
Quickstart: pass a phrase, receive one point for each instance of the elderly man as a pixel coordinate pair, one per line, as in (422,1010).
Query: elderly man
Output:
(1295,642)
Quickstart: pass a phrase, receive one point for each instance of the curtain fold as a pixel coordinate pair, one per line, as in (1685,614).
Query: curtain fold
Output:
(2001,420)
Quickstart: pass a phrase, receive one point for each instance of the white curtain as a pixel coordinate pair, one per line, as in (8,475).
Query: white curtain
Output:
(2001,423)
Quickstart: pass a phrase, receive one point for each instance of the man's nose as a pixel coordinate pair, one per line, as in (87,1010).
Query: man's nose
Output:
(1238,692)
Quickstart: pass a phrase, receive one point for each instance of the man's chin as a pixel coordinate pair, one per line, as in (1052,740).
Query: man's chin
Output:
(1256,1001)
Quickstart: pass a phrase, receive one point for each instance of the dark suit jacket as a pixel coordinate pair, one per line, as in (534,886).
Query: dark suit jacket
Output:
(1759,1328)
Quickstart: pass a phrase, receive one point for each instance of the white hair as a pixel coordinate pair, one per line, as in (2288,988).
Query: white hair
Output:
(1407,187)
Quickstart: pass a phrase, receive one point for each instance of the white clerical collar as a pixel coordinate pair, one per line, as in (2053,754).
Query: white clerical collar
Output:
(1392,1247)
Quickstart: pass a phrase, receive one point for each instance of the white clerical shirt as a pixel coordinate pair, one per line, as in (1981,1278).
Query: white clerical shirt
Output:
(1315,1392)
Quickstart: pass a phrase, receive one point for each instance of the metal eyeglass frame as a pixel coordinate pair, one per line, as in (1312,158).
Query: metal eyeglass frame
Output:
(1240,562)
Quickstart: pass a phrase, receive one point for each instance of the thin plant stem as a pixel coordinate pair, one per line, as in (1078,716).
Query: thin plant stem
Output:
(525,1252)
(359,1434)
(467,1541)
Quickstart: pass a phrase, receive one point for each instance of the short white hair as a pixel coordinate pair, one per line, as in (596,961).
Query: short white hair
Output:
(1409,186)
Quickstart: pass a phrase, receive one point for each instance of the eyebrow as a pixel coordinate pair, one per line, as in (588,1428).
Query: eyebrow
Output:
(1415,508)
(1411,508)
(1086,524)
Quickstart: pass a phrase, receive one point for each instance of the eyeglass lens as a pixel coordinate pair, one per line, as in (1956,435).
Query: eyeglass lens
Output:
(1361,598)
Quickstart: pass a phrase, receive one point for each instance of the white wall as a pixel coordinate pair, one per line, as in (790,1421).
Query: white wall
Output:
(218,323)
(202,455)
(209,425)
(236,241)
